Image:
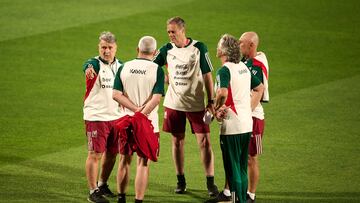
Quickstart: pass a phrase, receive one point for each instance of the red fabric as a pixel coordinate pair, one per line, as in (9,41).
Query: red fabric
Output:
(255,144)
(229,101)
(89,85)
(261,65)
(136,134)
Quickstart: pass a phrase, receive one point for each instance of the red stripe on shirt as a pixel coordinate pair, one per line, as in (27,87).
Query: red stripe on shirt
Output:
(89,85)
(261,65)
(229,100)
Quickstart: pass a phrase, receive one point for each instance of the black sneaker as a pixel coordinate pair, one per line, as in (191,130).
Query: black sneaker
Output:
(104,190)
(221,197)
(96,197)
(249,200)
(121,198)
(213,191)
(180,188)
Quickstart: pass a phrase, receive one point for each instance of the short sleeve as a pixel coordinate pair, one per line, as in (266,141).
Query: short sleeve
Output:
(160,80)
(223,77)
(117,82)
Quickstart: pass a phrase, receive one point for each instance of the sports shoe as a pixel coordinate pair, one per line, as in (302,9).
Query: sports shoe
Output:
(121,198)
(96,197)
(213,190)
(221,197)
(249,200)
(104,190)
(180,188)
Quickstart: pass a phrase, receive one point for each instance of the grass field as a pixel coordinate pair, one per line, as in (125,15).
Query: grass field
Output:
(311,149)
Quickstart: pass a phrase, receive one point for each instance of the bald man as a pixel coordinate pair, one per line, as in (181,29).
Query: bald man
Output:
(258,65)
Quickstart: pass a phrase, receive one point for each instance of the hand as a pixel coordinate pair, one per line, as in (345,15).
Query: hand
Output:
(90,73)
(211,108)
(140,108)
(221,113)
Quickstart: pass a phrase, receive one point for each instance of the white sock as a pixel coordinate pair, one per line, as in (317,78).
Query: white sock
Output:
(92,191)
(227,192)
(100,183)
(252,195)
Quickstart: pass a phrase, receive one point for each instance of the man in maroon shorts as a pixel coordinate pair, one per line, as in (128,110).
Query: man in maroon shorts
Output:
(258,65)
(100,114)
(189,72)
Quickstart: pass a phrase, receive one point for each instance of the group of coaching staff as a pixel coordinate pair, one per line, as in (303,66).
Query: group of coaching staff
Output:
(115,89)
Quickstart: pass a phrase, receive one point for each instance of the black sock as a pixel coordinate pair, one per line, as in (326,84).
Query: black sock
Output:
(209,180)
(181,179)
(122,198)
(138,200)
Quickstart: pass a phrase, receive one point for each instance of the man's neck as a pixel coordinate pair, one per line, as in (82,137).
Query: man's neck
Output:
(145,56)
(223,59)
(183,42)
(252,54)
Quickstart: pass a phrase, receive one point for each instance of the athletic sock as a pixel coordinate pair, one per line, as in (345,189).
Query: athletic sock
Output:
(181,179)
(101,183)
(209,180)
(251,195)
(93,190)
(227,192)
(138,201)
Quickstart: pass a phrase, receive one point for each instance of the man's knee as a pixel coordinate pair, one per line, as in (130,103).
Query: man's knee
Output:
(203,141)
(125,160)
(94,155)
(178,139)
(252,160)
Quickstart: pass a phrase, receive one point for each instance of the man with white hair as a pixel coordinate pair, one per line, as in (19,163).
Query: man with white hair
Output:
(138,87)
(233,110)
(100,115)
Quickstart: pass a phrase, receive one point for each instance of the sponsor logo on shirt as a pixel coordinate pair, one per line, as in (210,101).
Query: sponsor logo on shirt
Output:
(242,71)
(137,71)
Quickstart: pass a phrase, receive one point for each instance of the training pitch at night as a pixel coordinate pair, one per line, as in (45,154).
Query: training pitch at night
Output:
(311,143)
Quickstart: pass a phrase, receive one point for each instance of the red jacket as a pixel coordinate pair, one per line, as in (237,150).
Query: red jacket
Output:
(136,134)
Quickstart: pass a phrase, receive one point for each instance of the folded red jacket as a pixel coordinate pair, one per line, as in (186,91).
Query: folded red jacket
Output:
(136,134)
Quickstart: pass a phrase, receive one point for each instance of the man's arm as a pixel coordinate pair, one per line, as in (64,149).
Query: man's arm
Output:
(209,86)
(257,90)
(221,96)
(256,95)
(150,105)
(124,101)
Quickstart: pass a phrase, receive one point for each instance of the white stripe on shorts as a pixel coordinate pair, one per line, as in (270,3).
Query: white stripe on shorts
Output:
(258,144)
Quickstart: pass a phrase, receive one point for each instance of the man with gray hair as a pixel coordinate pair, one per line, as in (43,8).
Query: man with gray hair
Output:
(100,115)
(233,107)
(138,87)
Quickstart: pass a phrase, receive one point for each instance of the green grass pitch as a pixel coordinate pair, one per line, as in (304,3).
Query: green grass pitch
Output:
(311,144)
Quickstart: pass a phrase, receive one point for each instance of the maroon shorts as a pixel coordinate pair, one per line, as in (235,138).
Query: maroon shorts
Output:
(255,145)
(175,121)
(102,136)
